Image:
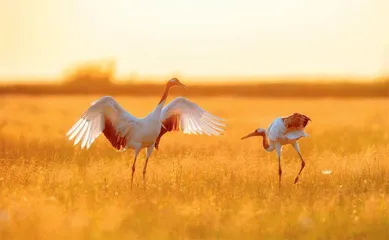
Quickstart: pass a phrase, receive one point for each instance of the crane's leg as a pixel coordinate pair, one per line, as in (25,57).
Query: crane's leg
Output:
(149,150)
(297,148)
(279,171)
(278,150)
(133,165)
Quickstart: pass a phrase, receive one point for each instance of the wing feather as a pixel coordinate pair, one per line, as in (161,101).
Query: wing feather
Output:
(87,134)
(82,131)
(75,126)
(213,120)
(195,131)
(214,117)
(188,126)
(215,125)
(103,116)
(209,128)
(78,129)
(182,114)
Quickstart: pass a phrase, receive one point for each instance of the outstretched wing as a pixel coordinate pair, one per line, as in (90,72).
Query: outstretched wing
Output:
(107,116)
(184,115)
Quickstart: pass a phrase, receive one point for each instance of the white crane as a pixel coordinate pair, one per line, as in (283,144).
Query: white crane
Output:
(283,131)
(125,131)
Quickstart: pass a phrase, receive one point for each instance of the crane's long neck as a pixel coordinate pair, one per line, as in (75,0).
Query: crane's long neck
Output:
(156,113)
(164,96)
(265,143)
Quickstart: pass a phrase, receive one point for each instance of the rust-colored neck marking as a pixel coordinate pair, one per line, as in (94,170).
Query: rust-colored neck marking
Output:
(265,143)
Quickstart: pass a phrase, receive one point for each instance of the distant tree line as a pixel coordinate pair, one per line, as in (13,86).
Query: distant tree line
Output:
(278,90)
(97,77)
(93,73)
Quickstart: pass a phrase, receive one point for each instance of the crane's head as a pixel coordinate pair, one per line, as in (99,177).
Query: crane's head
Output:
(257,132)
(175,82)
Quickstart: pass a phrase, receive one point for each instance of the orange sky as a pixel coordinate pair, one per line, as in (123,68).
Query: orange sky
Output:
(201,37)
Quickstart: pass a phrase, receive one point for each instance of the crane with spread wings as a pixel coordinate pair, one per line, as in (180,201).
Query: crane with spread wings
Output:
(125,131)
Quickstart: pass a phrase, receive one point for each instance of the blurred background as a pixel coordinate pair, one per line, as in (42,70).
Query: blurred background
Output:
(246,61)
(277,48)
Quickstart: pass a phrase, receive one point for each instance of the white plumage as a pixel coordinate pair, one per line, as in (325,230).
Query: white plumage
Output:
(283,131)
(93,122)
(278,133)
(125,131)
(192,118)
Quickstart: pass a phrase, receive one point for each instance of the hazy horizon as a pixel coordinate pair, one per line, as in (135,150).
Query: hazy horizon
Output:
(216,79)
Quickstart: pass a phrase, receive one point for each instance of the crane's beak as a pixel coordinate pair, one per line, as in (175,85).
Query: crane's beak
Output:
(182,85)
(253,134)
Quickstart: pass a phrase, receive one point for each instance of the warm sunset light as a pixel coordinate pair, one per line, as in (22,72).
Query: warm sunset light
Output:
(194,119)
(219,37)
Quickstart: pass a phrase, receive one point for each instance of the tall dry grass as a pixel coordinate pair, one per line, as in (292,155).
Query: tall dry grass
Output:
(198,187)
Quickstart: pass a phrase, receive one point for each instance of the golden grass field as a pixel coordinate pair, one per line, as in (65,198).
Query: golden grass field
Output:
(198,187)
